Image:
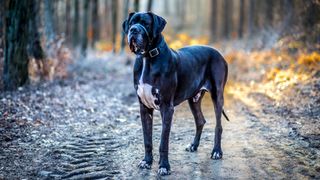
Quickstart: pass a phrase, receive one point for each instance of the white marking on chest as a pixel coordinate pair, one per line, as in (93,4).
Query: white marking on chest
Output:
(144,91)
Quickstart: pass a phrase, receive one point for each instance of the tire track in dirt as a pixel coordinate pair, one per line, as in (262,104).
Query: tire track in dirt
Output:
(86,157)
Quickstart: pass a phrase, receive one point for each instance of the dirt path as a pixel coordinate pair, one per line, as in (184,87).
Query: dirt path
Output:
(89,127)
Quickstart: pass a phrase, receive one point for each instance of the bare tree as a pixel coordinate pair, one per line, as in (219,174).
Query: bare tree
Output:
(286,9)
(84,41)
(95,22)
(227,18)
(107,20)
(251,17)
(34,48)
(136,5)
(114,24)
(49,24)
(56,15)
(181,13)
(214,20)
(149,5)
(166,7)
(269,12)
(311,16)
(2,22)
(68,20)
(125,14)
(75,27)
(311,21)
(259,15)
(16,37)
(241,19)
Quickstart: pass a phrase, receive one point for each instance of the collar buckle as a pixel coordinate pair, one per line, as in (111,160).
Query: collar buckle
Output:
(154,52)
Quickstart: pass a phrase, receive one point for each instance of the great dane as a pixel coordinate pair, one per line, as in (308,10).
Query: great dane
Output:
(164,78)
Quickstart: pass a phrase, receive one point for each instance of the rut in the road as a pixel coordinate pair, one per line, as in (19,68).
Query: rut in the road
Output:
(86,157)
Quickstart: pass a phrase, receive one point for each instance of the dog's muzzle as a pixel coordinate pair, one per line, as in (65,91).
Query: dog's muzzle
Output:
(144,29)
(135,38)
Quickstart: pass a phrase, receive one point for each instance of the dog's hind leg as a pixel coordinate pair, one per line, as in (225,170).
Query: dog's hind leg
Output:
(219,71)
(217,98)
(195,106)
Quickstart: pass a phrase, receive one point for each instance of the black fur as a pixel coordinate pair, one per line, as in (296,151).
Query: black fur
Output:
(179,76)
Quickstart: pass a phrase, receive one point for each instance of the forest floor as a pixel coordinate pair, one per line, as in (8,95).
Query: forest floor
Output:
(88,126)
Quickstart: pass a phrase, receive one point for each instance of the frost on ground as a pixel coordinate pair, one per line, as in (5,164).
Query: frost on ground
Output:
(88,126)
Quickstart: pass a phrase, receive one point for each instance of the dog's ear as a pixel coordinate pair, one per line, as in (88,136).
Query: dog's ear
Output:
(125,24)
(158,24)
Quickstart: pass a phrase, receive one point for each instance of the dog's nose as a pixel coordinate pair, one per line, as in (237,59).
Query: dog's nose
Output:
(134,30)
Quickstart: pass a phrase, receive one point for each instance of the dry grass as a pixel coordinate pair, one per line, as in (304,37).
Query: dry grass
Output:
(58,57)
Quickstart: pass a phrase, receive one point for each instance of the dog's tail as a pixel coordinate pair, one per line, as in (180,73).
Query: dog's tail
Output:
(224,114)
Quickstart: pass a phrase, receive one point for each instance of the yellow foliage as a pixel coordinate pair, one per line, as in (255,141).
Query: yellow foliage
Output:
(104,46)
(174,42)
(312,60)
(270,72)
(184,39)
(108,46)
(295,45)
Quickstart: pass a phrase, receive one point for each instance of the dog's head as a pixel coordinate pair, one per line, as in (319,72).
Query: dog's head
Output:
(141,29)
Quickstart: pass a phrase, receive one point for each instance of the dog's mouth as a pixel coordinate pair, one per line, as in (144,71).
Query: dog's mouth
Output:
(136,47)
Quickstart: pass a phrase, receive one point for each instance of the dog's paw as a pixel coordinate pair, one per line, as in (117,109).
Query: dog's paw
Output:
(144,165)
(216,154)
(163,171)
(191,148)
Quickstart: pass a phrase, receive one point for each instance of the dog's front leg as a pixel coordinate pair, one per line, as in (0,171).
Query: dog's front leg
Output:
(166,114)
(146,120)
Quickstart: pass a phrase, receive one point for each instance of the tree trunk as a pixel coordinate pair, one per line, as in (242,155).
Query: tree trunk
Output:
(34,47)
(2,21)
(136,5)
(67,22)
(251,17)
(311,16)
(16,35)
(107,21)
(286,7)
(269,13)
(181,14)
(214,20)
(241,19)
(114,24)
(259,19)
(84,43)
(95,22)
(49,26)
(75,28)
(166,7)
(149,6)
(228,20)
(56,16)
(123,35)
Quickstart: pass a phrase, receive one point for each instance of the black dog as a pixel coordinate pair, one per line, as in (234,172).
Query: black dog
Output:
(163,78)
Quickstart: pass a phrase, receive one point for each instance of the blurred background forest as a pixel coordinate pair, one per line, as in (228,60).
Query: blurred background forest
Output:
(68,108)
(43,36)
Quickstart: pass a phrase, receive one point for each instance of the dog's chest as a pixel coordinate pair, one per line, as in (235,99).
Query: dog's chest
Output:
(148,95)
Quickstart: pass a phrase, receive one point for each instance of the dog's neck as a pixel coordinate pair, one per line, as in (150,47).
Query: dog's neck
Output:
(157,47)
